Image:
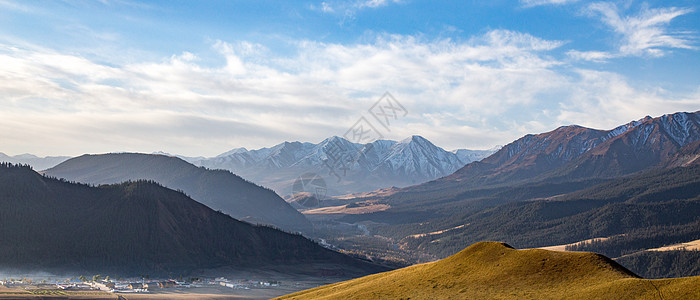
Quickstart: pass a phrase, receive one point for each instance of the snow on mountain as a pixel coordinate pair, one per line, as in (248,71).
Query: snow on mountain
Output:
(624,128)
(683,128)
(233,151)
(417,157)
(579,152)
(347,167)
(467,155)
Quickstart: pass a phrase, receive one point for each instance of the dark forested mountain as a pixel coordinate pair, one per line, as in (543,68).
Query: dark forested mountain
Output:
(347,167)
(135,227)
(652,209)
(218,189)
(636,212)
(666,264)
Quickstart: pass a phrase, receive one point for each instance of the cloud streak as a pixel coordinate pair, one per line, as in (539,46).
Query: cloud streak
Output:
(348,9)
(644,34)
(532,3)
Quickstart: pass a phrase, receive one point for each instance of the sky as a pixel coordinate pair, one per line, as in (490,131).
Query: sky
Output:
(199,78)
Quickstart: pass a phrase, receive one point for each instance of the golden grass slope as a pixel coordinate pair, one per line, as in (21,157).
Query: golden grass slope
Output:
(492,270)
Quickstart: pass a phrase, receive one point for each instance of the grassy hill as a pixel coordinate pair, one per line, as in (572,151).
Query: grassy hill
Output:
(492,270)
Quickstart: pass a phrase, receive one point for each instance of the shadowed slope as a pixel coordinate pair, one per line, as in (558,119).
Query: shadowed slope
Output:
(136,228)
(218,189)
(492,270)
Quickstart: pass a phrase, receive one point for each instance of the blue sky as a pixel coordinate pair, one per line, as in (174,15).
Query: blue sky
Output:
(202,77)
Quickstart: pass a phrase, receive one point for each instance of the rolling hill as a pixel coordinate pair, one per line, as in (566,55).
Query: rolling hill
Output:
(491,270)
(218,189)
(136,227)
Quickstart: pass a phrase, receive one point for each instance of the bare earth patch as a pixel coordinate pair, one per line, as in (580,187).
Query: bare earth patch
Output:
(563,247)
(693,245)
(420,235)
(344,209)
(378,193)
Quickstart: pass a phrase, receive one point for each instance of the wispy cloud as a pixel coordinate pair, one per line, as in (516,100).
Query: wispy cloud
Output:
(348,9)
(375,3)
(644,34)
(532,3)
(595,56)
(14,5)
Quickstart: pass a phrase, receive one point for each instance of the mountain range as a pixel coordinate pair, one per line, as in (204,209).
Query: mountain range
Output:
(218,189)
(137,227)
(559,187)
(635,187)
(345,167)
(575,152)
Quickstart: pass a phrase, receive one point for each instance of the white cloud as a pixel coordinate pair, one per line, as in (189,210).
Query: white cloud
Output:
(348,9)
(326,8)
(518,40)
(531,3)
(595,56)
(488,90)
(604,100)
(375,3)
(647,33)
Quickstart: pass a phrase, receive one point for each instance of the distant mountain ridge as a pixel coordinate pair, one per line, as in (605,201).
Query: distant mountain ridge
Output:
(137,227)
(649,142)
(38,163)
(346,166)
(218,189)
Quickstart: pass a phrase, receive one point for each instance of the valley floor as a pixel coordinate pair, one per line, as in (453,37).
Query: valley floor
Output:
(205,291)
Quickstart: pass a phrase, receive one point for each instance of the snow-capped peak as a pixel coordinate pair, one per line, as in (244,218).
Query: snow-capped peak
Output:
(414,139)
(411,160)
(233,151)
